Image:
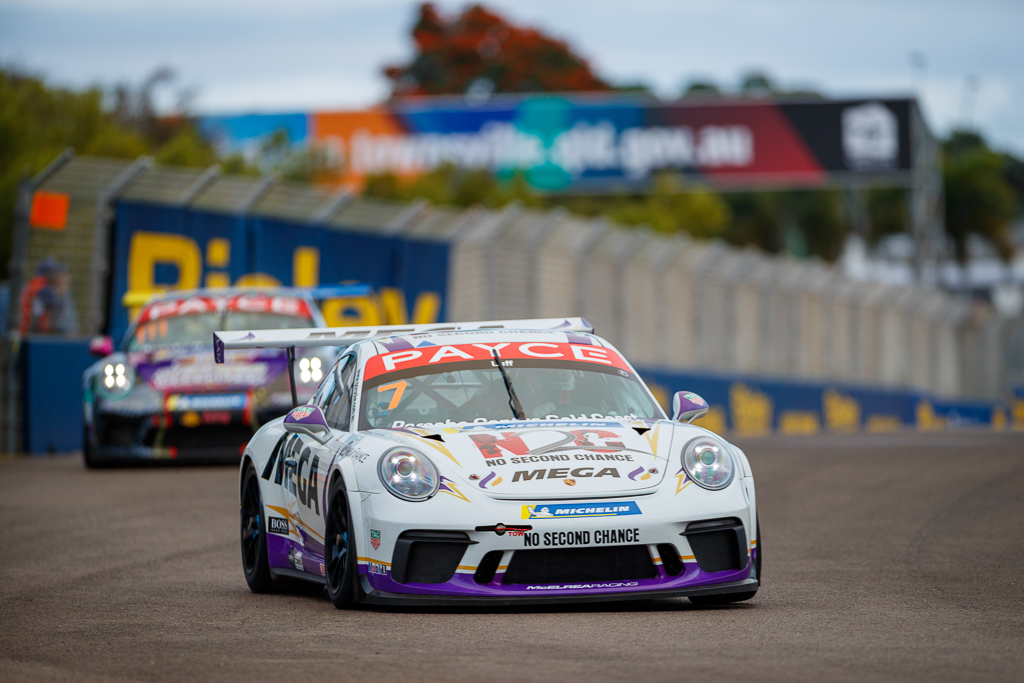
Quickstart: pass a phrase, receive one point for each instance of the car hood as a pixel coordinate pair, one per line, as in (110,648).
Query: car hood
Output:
(197,372)
(548,460)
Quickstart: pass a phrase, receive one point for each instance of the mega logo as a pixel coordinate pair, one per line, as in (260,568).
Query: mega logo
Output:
(303,485)
(563,473)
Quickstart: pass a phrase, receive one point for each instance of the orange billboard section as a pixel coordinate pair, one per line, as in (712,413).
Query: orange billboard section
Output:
(344,133)
(49,210)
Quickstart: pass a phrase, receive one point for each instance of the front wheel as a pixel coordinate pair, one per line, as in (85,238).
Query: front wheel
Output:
(254,535)
(340,550)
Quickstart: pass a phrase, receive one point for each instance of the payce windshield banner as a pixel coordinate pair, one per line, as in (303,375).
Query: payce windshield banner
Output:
(594,143)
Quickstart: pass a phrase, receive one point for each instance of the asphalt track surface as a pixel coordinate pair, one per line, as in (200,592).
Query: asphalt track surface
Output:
(894,557)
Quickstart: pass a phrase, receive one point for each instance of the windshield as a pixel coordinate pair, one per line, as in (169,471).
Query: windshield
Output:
(473,390)
(196,329)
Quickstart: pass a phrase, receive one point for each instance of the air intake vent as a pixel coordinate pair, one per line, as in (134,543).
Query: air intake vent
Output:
(428,556)
(580,565)
(488,567)
(670,559)
(718,545)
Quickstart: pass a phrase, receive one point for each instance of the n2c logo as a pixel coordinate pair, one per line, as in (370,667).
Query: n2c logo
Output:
(302,486)
(511,443)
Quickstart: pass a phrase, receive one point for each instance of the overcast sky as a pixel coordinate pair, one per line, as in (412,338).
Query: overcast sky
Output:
(256,55)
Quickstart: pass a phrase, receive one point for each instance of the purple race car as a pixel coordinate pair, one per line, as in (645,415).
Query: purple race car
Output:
(161,396)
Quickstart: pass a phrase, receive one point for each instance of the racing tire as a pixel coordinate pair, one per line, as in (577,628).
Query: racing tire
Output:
(254,535)
(89,452)
(727,598)
(340,550)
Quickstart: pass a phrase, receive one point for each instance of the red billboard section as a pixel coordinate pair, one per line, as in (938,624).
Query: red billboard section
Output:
(742,143)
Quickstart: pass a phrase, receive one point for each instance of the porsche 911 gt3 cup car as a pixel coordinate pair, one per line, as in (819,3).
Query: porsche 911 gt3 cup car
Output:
(162,396)
(502,462)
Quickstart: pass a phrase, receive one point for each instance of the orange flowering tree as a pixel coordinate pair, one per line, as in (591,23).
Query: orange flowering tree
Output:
(478,50)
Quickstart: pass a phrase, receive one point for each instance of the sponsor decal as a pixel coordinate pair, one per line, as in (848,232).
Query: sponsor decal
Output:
(378,568)
(323,569)
(303,480)
(295,558)
(189,419)
(250,303)
(549,539)
(375,538)
(563,473)
(583,586)
(302,412)
(278,525)
(349,450)
(510,352)
(513,443)
(539,424)
(205,402)
(562,510)
(216,417)
(870,136)
(694,398)
(210,375)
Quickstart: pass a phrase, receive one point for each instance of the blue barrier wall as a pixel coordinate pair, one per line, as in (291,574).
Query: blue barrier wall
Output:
(157,246)
(52,393)
(749,406)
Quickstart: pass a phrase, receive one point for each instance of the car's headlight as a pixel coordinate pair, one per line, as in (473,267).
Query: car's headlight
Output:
(310,369)
(707,462)
(115,380)
(408,475)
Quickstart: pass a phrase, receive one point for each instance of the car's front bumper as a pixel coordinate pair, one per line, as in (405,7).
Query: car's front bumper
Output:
(220,435)
(652,553)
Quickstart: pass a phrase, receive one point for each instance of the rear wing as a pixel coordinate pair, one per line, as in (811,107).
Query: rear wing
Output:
(139,297)
(343,336)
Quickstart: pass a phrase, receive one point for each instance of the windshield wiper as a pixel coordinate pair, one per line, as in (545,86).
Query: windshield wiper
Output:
(513,400)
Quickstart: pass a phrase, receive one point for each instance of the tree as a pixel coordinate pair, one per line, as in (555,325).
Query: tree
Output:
(979,199)
(478,51)
(38,121)
(452,185)
(701,88)
(669,209)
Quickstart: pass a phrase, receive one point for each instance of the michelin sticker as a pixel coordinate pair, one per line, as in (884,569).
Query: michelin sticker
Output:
(565,511)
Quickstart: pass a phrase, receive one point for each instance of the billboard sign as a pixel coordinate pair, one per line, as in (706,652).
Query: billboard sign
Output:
(170,247)
(599,143)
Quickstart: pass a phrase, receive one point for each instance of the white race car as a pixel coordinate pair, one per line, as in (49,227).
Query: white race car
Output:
(505,462)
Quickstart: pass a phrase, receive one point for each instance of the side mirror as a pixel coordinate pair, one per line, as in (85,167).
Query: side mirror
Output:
(101,346)
(688,406)
(309,421)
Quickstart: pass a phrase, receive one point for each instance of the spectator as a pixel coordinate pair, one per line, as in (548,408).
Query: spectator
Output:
(46,304)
